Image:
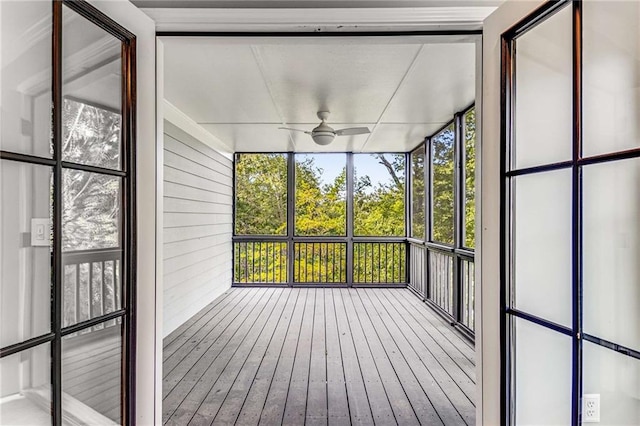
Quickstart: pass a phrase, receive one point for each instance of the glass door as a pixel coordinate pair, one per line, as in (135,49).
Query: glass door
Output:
(67,191)
(571,179)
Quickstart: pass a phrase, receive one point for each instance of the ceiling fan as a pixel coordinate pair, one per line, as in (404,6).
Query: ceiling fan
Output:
(324,135)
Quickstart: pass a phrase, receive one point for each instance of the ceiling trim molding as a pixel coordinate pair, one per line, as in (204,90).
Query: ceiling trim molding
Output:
(320,19)
(182,121)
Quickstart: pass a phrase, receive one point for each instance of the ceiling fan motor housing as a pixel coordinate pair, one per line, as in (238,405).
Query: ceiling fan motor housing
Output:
(323,137)
(323,134)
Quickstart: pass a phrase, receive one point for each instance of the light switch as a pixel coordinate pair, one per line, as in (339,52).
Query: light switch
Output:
(40,234)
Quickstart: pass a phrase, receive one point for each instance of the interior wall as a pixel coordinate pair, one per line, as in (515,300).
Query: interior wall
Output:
(198,200)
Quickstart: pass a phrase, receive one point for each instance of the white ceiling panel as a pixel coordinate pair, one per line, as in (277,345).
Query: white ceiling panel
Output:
(399,137)
(242,90)
(441,83)
(353,81)
(213,82)
(252,137)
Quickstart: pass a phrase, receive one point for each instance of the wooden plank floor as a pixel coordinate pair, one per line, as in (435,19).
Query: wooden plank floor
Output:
(317,356)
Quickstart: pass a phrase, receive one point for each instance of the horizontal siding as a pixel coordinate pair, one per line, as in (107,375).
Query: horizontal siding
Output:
(197,206)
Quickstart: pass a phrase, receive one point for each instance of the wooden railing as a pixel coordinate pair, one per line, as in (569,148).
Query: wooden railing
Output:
(260,262)
(441,280)
(446,278)
(318,262)
(92,285)
(417,269)
(467,275)
(321,261)
(379,262)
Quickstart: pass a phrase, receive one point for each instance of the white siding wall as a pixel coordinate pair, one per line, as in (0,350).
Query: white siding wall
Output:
(197,226)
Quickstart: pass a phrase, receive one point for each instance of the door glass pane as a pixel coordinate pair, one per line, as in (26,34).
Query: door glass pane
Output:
(616,379)
(611,249)
(25,74)
(261,194)
(25,251)
(321,207)
(92,75)
(469,231)
(543,100)
(542,245)
(91,215)
(542,375)
(442,183)
(610,76)
(379,194)
(417,193)
(25,394)
(92,375)
(91,134)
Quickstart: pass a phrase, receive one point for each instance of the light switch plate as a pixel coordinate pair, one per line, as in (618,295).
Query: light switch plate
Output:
(40,232)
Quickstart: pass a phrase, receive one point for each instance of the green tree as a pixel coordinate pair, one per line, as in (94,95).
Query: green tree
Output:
(469,178)
(261,194)
(442,202)
(379,209)
(320,209)
(417,194)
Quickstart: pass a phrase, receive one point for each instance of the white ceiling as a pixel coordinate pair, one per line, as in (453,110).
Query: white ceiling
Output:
(242,90)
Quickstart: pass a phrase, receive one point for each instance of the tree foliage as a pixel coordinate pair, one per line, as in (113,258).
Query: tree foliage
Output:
(320,210)
(442,193)
(261,194)
(469,178)
(418,194)
(379,208)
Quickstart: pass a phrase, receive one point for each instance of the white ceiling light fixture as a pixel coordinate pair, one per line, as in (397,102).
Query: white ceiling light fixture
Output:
(324,134)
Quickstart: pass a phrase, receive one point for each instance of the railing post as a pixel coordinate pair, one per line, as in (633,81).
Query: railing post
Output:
(458,212)
(291,217)
(349,194)
(426,273)
(426,276)
(407,215)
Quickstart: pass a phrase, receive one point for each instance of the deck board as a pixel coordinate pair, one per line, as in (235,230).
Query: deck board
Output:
(190,388)
(317,356)
(337,403)
(420,402)
(316,412)
(443,405)
(381,381)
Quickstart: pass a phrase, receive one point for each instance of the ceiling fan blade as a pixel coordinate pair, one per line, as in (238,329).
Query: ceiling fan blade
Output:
(353,131)
(294,130)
